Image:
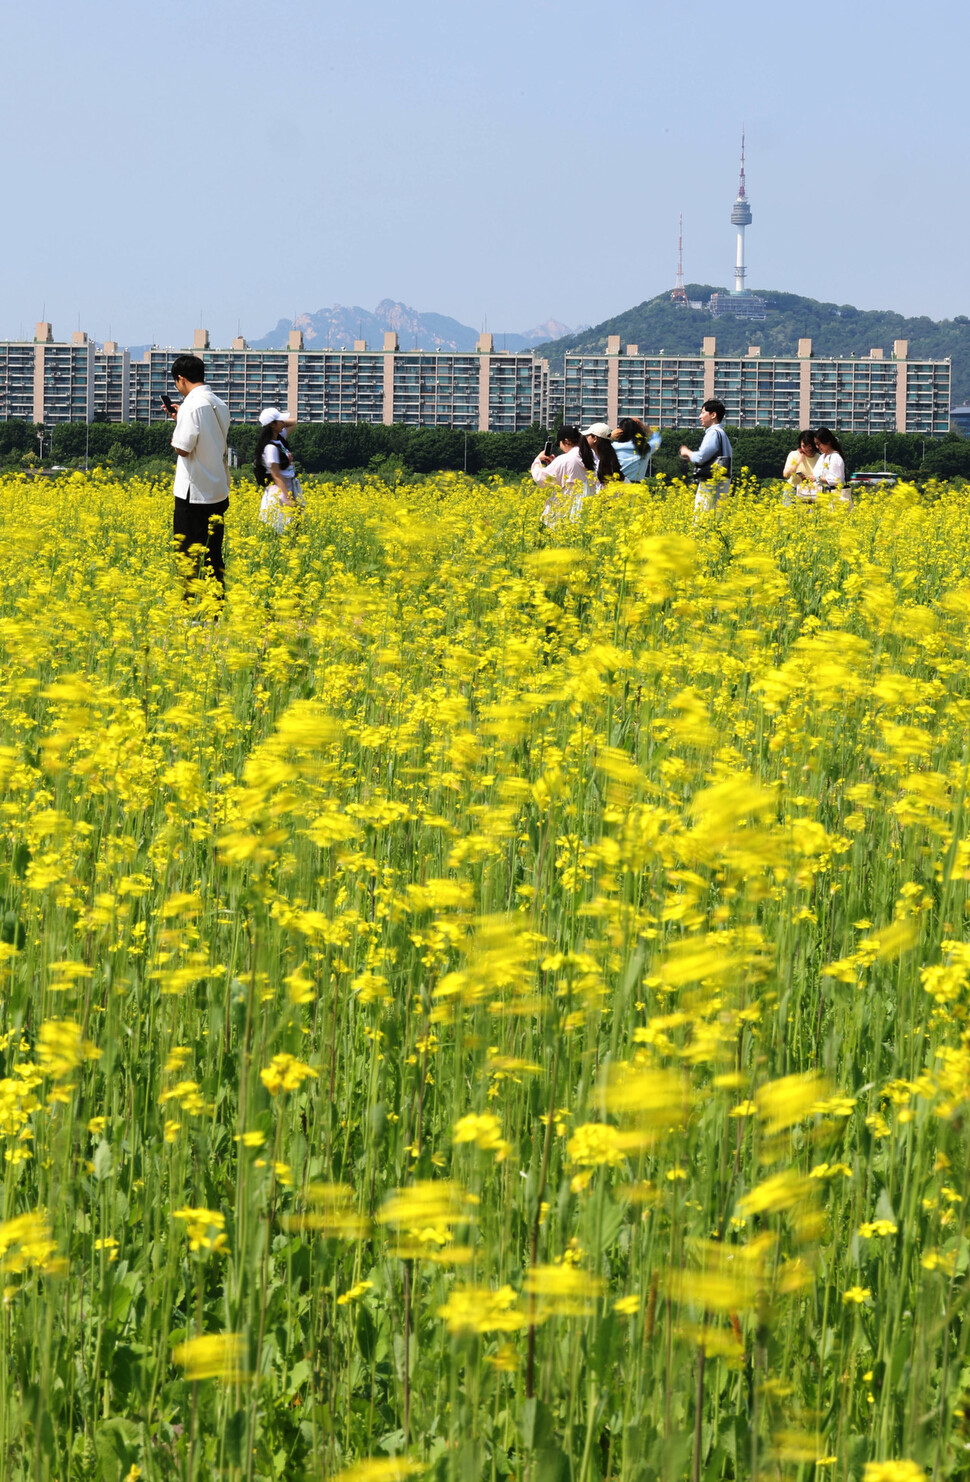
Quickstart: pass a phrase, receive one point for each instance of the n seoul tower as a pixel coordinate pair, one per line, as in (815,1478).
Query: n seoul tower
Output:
(740,217)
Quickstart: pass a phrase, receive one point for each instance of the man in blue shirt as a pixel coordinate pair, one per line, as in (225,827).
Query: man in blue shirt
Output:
(713,453)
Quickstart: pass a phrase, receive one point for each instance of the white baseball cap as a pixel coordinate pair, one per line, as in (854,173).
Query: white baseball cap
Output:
(271,414)
(597,429)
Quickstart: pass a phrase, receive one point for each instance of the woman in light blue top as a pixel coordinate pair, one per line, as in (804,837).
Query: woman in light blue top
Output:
(631,444)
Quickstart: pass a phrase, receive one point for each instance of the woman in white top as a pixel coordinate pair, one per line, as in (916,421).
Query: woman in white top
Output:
(829,471)
(800,464)
(274,470)
(571,477)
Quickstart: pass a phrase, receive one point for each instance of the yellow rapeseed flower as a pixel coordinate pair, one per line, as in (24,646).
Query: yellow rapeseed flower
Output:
(791,1099)
(205,1229)
(381,1469)
(477,1309)
(354,1293)
(893,1471)
(485,1131)
(286,1073)
(214,1356)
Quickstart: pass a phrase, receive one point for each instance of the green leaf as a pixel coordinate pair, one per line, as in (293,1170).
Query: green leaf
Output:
(117,1444)
(298,1376)
(535,1425)
(366,1334)
(235,1435)
(102,1161)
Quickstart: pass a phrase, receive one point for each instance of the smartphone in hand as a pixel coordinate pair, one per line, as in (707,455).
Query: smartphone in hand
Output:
(547,450)
(169,405)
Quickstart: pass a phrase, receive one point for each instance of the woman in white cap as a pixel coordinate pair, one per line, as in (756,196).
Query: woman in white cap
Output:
(608,469)
(274,470)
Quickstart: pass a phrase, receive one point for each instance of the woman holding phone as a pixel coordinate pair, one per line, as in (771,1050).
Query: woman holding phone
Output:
(799,470)
(571,477)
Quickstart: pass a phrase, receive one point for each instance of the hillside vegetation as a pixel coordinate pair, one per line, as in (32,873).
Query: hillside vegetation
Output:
(835,329)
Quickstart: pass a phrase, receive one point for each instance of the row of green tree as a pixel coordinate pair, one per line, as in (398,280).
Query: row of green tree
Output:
(328,447)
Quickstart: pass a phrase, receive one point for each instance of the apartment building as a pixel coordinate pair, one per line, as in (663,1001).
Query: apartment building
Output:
(16,382)
(485,389)
(869,394)
(112,383)
(42,381)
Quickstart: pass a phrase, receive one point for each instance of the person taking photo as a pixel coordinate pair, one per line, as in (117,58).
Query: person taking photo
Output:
(201,487)
(570,477)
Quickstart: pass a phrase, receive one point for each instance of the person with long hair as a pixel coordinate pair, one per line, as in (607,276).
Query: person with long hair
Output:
(631,444)
(608,470)
(829,472)
(274,471)
(799,470)
(570,476)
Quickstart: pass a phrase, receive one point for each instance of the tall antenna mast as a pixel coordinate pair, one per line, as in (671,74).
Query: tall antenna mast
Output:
(679,295)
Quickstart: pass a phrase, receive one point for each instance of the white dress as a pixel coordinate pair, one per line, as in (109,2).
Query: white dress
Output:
(272,510)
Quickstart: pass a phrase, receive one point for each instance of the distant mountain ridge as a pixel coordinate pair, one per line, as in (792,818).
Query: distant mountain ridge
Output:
(834,329)
(339,326)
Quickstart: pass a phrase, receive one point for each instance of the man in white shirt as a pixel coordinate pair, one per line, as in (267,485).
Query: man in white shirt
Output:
(714,453)
(202,474)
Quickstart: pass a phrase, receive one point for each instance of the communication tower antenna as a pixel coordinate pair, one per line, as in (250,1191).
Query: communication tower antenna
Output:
(741,217)
(679,295)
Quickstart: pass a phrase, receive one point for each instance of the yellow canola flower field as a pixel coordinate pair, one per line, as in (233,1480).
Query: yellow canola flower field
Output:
(496,1002)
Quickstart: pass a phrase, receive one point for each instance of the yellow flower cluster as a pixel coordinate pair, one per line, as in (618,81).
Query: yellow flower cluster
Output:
(543,953)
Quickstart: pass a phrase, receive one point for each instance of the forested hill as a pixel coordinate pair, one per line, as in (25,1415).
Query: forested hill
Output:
(835,329)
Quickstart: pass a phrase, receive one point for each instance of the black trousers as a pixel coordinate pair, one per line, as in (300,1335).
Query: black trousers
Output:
(201,525)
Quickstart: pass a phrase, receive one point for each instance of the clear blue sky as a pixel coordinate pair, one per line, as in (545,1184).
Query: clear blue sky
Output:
(514,160)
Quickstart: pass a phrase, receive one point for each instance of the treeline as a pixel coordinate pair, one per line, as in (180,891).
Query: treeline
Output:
(319,447)
(328,447)
(764,452)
